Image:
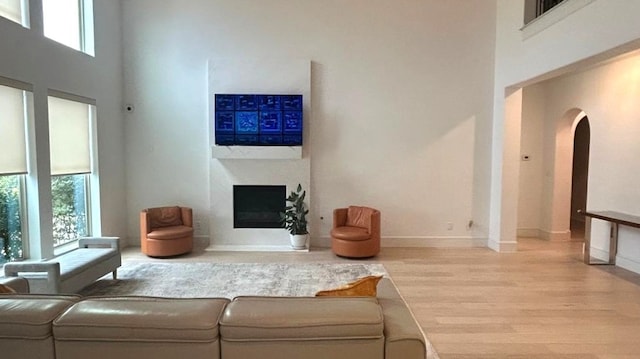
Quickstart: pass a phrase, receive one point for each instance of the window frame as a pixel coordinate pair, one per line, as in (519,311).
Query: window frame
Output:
(86,34)
(23,200)
(91,178)
(24,14)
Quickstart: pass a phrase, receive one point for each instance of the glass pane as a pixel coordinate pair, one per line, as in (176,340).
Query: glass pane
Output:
(12,10)
(62,21)
(70,215)
(10,218)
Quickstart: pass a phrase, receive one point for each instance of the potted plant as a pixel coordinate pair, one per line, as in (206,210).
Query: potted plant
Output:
(294,218)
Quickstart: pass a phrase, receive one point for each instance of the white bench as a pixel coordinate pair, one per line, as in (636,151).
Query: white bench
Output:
(73,270)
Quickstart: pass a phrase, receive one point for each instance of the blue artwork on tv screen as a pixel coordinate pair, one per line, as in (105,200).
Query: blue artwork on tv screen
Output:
(225,122)
(258,120)
(269,103)
(246,122)
(271,122)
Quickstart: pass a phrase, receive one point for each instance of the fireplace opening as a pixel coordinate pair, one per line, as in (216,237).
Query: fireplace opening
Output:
(258,206)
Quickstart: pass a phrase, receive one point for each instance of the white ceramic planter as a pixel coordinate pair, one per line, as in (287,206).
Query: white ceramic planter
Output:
(298,241)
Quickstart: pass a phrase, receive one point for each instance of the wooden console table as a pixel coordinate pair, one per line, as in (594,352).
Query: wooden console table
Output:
(616,219)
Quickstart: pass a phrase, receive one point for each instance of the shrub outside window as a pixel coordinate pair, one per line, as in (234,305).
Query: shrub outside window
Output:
(70,203)
(11,217)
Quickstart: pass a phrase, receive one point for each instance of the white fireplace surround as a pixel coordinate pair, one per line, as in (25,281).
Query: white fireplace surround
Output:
(255,165)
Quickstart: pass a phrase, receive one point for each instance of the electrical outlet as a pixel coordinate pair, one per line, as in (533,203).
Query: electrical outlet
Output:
(449,226)
(198,226)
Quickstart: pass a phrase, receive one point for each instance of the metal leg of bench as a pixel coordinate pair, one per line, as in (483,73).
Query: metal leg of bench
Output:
(613,243)
(587,241)
(115,274)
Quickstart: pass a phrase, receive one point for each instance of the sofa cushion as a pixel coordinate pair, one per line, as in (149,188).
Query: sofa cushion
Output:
(141,319)
(301,318)
(165,217)
(30,316)
(359,216)
(350,233)
(170,232)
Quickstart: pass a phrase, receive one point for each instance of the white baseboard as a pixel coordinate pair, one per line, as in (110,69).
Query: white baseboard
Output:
(628,264)
(246,248)
(556,235)
(416,242)
(503,247)
(543,234)
(528,232)
(202,241)
(437,242)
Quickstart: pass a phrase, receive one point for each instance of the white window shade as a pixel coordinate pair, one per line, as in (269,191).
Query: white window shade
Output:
(11,9)
(69,143)
(13,158)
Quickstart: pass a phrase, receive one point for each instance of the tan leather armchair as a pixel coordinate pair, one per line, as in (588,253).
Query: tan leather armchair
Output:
(166,231)
(356,232)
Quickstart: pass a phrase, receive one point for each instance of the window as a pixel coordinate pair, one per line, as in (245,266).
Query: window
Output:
(70,150)
(546,5)
(69,22)
(11,217)
(70,203)
(13,167)
(14,10)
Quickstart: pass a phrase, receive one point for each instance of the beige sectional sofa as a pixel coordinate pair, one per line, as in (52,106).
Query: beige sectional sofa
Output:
(72,327)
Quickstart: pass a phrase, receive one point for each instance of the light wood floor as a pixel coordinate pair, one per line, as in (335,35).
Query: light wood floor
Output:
(541,302)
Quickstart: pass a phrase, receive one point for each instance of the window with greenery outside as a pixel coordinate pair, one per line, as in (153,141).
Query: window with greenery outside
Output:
(10,218)
(69,200)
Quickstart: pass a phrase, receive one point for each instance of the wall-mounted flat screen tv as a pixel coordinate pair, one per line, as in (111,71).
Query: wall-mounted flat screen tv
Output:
(258,120)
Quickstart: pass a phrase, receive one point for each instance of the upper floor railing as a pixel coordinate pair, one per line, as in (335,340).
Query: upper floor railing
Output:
(535,8)
(546,5)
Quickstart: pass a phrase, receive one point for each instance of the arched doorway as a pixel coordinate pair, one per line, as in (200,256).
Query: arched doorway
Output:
(557,205)
(579,178)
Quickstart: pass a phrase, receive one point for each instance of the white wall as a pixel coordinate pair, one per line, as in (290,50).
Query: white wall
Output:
(401,105)
(531,171)
(29,57)
(597,31)
(267,76)
(609,96)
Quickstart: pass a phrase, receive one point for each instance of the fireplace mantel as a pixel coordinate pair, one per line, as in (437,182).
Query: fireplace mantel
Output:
(257,152)
(255,165)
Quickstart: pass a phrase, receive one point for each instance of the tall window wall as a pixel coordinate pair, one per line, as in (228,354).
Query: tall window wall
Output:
(25,210)
(69,22)
(13,168)
(70,151)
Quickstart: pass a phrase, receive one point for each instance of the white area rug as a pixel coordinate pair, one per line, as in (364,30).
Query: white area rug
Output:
(229,280)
